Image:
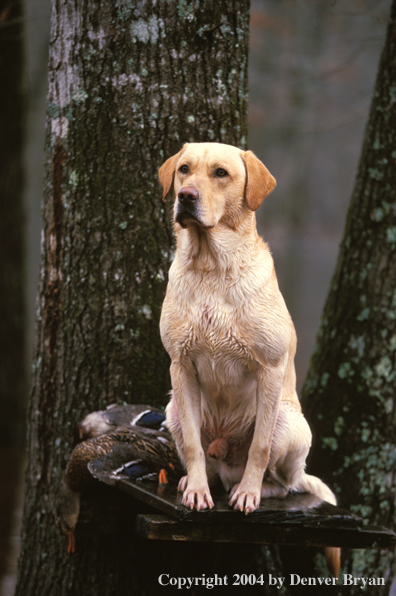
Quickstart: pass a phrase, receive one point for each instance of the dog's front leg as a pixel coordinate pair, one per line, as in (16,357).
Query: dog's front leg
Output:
(246,495)
(188,399)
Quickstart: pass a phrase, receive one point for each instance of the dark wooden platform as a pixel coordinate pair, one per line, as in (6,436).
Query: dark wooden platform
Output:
(298,519)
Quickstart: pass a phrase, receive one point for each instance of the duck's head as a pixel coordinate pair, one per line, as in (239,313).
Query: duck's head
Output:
(66,511)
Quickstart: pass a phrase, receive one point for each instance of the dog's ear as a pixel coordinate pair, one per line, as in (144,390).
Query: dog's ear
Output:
(166,172)
(259,182)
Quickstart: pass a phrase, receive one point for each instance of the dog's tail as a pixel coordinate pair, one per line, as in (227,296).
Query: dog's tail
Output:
(313,485)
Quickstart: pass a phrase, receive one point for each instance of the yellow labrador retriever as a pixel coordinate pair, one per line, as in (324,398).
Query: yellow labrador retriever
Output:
(234,412)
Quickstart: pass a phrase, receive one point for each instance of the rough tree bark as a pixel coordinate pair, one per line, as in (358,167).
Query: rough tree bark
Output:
(129,82)
(349,393)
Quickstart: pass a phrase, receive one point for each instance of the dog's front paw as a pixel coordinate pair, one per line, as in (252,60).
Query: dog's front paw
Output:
(195,497)
(244,498)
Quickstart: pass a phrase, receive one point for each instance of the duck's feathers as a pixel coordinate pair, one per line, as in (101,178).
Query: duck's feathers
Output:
(133,452)
(156,449)
(104,421)
(136,470)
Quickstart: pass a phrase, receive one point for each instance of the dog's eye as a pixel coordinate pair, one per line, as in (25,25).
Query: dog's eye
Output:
(221,173)
(183,169)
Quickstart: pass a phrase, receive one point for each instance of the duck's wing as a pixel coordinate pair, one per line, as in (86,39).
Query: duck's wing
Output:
(135,453)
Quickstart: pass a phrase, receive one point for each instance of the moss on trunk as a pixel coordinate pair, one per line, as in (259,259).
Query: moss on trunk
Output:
(129,82)
(349,393)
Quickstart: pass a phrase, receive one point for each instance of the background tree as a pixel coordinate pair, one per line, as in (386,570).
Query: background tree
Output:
(312,68)
(13,369)
(128,84)
(349,393)
(12,261)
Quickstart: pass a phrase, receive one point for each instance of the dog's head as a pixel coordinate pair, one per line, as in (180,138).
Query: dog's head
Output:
(214,183)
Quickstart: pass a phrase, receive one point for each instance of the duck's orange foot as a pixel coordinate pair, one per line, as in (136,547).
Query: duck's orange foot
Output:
(163,477)
(71,542)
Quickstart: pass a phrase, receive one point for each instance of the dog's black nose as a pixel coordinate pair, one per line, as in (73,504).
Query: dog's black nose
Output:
(188,194)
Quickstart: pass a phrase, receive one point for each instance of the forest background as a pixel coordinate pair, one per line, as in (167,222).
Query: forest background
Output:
(312,67)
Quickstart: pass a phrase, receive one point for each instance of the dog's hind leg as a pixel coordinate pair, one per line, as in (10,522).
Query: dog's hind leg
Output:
(270,489)
(290,447)
(289,450)
(174,426)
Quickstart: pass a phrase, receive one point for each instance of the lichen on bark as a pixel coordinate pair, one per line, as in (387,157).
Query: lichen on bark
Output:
(129,83)
(349,393)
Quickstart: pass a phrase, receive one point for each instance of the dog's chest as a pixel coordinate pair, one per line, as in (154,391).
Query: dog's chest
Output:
(214,329)
(218,348)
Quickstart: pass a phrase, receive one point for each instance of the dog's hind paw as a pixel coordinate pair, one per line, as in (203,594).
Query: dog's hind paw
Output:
(182,484)
(244,500)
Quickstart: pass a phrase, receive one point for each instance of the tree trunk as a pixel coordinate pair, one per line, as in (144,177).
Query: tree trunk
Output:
(129,82)
(349,393)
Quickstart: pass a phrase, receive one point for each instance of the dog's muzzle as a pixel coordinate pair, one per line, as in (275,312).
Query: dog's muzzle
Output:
(186,209)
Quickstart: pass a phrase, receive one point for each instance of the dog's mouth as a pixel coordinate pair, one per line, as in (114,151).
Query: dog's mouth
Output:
(185,218)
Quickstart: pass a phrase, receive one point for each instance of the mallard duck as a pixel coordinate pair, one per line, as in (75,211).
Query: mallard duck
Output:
(103,421)
(134,452)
